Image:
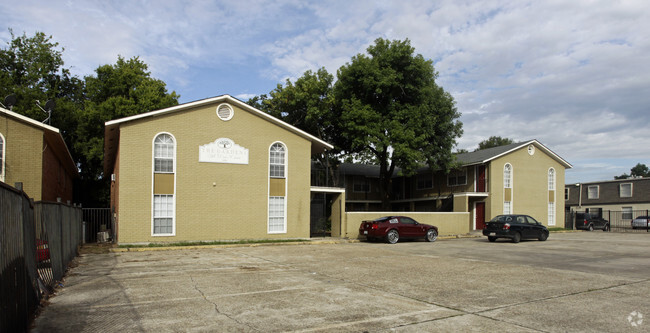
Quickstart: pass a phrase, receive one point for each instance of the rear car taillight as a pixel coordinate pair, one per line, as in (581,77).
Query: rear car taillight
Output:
(506,226)
(585,222)
(375,226)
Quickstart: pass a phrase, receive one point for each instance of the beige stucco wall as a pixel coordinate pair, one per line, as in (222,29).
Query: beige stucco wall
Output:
(530,194)
(214,201)
(447,223)
(23,155)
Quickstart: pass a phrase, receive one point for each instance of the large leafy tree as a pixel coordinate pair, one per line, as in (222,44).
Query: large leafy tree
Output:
(391,107)
(639,170)
(493,141)
(31,69)
(308,104)
(115,91)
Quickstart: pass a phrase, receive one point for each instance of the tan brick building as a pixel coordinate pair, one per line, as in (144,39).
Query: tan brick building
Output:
(35,155)
(214,169)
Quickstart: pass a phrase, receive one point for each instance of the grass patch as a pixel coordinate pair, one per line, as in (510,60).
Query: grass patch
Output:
(557,229)
(249,241)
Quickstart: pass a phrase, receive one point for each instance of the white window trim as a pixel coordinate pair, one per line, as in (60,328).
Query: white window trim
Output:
(597,192)
(631,210)
(512,191)
(153,167)
(286,188)
(551,181)
(551,213)
(4,157)
(620,191)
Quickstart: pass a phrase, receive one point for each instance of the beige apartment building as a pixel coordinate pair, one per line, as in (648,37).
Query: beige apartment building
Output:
(214,169)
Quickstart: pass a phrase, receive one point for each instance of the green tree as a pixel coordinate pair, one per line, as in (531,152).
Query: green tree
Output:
(31,68)
(494,141)
(308,104)
(115,91)
(639,170)
(391,106)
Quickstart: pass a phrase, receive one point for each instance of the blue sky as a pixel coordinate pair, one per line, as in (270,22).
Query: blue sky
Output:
(573,74)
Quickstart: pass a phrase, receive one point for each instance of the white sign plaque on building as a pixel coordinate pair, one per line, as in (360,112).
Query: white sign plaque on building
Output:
(223,150)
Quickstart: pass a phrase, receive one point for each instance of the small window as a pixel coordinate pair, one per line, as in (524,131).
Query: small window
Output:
(627,213)
(625,190)
(425,181)
(225,112)
(277,163)
(457,178)
(592,192)
(566,194)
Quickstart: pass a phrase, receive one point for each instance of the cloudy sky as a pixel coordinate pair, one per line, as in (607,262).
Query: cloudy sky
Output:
(573,74)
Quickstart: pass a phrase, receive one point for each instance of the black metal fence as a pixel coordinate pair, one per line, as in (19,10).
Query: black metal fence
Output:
(619,221)
(98,220)
(37,242)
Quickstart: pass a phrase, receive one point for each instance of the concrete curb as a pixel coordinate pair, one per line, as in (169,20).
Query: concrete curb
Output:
(219,246)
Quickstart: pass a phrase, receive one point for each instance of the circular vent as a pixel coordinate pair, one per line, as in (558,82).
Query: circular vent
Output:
(225,112)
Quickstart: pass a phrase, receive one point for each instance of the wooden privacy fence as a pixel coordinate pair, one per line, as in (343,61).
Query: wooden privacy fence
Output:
(37,242)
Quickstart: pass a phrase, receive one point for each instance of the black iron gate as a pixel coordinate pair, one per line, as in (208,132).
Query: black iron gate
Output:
(619,221)
(98,220)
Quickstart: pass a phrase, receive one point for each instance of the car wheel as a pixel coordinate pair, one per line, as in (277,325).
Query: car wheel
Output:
(392,236)
(516,238)
(606,228)
(431,236)
(543,236)
(591,227)
(492,239)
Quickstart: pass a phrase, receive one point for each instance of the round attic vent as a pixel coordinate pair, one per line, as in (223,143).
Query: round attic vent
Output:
(531,150)
(225,112)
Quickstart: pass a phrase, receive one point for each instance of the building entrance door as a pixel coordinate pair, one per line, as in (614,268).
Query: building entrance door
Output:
(479,215)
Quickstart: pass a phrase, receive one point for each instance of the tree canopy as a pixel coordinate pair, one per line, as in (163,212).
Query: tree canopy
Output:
(32,69)
(639,170)
(493,141)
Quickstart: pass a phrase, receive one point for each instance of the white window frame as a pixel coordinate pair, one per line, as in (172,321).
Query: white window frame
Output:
(589,188)
(285,176)
(551,179)
(507,178)
(620,190)
(273,162)
(551,213)
(171,216)
(507,207)
(3,157)
(273,214)
(153,196)
(164,158)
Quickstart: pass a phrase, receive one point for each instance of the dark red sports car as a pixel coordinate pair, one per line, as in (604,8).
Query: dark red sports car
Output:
(393,228)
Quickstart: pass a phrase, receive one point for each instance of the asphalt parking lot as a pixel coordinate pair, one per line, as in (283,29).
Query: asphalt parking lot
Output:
(574,282)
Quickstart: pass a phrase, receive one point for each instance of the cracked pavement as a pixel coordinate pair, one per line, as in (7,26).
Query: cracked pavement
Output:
(573,282)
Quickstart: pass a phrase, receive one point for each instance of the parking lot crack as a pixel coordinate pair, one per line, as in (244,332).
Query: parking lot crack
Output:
(216,307)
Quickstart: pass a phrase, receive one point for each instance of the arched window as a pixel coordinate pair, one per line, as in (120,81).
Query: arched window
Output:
(2,158)
(277,207)
(164,153)
(164,186)
(551,196)
(507,188)
(507,176)
(277,160)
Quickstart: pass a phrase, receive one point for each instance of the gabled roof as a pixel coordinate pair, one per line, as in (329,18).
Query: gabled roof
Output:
(486,155)
(111,136)
(50,134)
